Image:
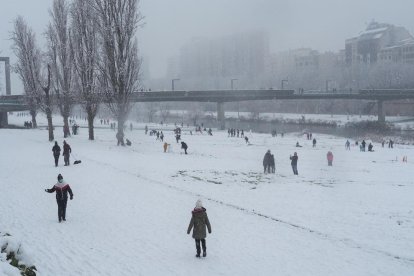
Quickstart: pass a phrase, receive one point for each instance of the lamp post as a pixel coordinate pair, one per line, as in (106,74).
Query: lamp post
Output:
(283,83)
(172,83)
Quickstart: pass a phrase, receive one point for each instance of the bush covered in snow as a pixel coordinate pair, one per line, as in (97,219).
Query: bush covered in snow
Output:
(13,259)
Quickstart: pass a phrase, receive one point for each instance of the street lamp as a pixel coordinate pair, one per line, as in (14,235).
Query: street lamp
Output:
(283,83)
(172,83)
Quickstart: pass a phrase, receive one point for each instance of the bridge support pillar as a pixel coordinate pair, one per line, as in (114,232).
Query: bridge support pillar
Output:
(220,116)
(3,119)
(381,114)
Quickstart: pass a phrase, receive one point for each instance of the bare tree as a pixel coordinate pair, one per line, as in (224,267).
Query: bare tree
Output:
(46,105)
(119,63)
(85,49)
(28,63)
(58,35)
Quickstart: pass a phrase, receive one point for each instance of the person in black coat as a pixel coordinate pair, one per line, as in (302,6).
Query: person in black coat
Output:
(363,143)
(62,189)
(272,166)
(267,161)
(56,153)
(294,163)
(66,153)
(184,147)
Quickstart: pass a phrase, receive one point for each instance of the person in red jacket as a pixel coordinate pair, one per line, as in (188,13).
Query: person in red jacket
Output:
(62,189)
(329,156)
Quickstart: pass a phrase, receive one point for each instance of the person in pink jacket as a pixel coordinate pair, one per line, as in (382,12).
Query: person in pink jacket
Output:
(329,156)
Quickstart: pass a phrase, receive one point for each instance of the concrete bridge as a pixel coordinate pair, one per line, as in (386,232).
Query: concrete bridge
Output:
(18,103)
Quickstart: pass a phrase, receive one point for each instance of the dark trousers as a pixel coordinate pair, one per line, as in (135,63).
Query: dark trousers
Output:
(329,163)
(56,159)
(203,244)
(295,169)
(185,150)
(66,159)
(62,208)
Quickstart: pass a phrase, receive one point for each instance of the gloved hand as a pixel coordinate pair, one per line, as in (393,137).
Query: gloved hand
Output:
(71,197)
(46,190)
(209,232)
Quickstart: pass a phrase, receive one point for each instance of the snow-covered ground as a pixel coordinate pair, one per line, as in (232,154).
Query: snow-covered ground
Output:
(132,205)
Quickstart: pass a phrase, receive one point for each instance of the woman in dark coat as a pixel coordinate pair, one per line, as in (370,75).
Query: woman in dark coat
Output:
(56,153)
(199,220)
(66,153)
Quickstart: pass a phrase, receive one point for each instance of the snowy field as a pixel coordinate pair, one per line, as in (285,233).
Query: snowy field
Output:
(132,206)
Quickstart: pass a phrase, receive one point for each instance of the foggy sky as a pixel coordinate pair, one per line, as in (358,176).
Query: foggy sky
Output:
(319,24)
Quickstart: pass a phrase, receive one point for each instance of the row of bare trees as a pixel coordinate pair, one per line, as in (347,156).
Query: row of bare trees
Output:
(91,57)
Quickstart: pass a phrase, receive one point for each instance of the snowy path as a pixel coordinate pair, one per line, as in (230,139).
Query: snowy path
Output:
(132,206)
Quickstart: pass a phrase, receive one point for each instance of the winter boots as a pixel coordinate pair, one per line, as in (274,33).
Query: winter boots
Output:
(204,254)
(198,247)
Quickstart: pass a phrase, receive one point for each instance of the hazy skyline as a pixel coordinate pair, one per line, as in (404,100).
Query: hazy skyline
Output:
(321,24)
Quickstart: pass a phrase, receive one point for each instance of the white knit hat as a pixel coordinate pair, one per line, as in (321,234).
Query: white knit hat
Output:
(199,204)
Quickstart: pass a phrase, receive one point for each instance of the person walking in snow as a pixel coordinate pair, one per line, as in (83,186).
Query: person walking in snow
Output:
(329,156)
(272,167)
(267,161)
(56,153)
(62,189)
(199,222)
(363,143)
(294,163)
(347,145)
(66,153)
(314,142)
(184,147)
(120,138)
